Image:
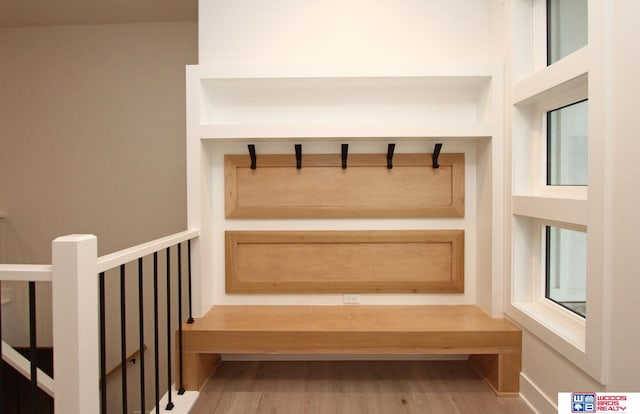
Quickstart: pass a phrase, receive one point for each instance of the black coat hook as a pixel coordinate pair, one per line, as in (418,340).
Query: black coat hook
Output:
(390,150)
(252,154)
(298,156)
(345,151)
(435,155)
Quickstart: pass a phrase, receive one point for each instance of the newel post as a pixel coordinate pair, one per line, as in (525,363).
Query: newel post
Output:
(75,324)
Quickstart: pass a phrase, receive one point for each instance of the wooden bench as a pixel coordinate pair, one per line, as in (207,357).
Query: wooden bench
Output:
(493,345)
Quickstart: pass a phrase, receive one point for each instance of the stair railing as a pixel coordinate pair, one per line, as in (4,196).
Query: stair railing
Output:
(27,367)
(77,276)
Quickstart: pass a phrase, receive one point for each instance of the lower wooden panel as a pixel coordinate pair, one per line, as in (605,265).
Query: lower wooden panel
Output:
(345,261)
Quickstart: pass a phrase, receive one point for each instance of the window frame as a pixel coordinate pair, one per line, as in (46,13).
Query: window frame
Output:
(547,27)
(548,151)
(539,146)
(547,265)
(531,300)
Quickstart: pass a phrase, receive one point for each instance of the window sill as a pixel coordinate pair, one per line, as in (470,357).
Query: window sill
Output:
(566,210)
(554,322)
(560,329)
(567,74)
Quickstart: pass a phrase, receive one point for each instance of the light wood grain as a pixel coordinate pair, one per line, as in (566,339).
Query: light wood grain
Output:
(197,368)
(362,330)
(321,189)
(354,387)
(501,371)
(345,261)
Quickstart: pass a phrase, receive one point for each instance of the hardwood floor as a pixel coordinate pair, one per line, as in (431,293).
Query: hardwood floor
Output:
(352,387)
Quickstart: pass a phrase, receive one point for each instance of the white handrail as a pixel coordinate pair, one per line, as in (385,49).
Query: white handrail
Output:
(118,258)
(23,366)
(26,273)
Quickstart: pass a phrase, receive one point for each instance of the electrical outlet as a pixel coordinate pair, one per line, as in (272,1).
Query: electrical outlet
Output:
(351,299)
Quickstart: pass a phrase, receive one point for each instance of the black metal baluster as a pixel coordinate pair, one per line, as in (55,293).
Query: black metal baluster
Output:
(190,320)
(155,325)
(18,399)
(141,352)
(103,347)
(180,387)
(33,350)
(169,402)
(123,340)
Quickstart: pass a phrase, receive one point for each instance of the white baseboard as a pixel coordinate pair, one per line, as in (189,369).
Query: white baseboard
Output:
(535,398)
(182,403)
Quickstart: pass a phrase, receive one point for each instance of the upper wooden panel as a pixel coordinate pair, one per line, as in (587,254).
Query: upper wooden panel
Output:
(322,189)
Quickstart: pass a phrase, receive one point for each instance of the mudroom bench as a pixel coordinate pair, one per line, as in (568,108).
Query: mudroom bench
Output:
(493,344)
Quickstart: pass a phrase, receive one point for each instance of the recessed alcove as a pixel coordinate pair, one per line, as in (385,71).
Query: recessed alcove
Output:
(453,106)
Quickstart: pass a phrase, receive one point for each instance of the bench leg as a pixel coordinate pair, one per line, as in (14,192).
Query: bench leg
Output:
(501,371)
(197,368)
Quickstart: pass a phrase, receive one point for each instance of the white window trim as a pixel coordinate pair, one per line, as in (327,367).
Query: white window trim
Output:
(582,342)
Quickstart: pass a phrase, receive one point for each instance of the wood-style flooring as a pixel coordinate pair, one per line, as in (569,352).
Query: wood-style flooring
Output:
(352,387)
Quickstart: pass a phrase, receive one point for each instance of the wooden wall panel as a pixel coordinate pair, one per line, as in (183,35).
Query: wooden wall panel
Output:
(345,261)
(412,188)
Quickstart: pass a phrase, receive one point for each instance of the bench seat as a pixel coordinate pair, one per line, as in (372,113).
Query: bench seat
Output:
(493,345)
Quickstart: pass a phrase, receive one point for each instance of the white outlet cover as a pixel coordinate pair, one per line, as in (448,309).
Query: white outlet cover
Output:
(351,299)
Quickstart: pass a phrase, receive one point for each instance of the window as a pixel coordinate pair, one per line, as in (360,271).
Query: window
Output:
(557,190)
(566,28)
(565,276)
(567,145)
(566,268)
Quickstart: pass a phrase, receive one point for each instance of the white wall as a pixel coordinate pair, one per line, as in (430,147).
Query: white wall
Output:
(342,35)
(624,363)
(84,108)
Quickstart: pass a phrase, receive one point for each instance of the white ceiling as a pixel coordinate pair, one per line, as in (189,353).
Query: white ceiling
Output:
(26,13)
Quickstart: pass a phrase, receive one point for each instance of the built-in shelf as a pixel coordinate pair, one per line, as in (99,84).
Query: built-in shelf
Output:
(365,131)
(455,104)
(292,71)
